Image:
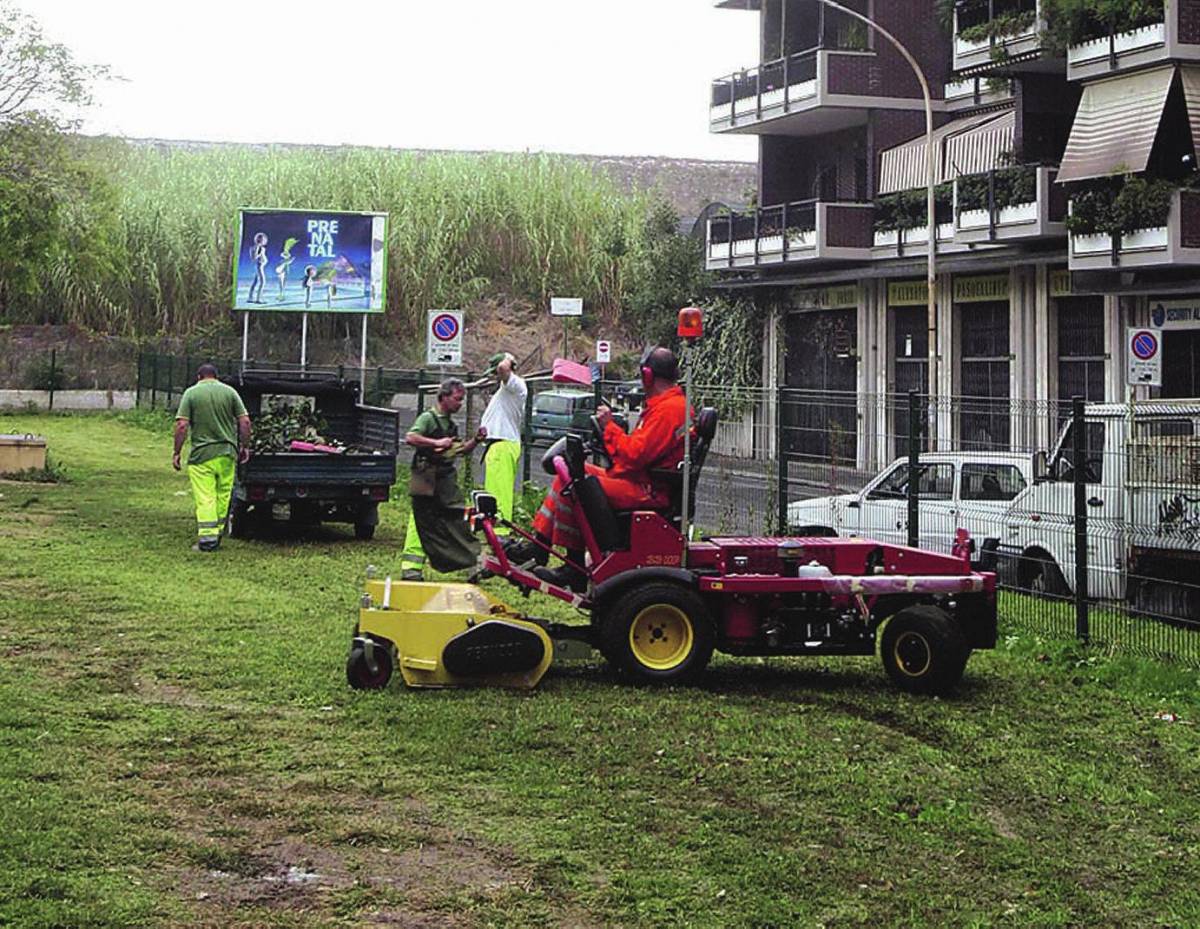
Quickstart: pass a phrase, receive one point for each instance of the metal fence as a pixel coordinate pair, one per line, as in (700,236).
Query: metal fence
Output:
(1090,516)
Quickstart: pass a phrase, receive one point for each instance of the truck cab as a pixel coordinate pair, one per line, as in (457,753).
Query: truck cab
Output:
(1141,471)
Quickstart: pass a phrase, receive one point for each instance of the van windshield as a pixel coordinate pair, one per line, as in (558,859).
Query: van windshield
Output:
(552,403)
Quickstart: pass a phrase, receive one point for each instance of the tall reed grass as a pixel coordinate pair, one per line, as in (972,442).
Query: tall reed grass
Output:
(461,226)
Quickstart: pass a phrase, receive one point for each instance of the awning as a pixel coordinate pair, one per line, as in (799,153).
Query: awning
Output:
(903,167)
(1115,125)
(1191,94)
(982,148)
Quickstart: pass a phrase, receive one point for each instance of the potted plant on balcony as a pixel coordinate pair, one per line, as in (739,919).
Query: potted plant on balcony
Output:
(896,213)
(1116,208)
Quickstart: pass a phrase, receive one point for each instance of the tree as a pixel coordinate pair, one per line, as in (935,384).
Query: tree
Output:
(38,76)
(667,273)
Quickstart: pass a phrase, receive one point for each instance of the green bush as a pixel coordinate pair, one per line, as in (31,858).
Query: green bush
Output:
(1012,186)
(42,375)
(908,208)
(1000,27)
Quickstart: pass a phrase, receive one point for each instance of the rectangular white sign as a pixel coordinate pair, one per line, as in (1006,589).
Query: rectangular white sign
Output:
(444,337)
(566,306)
(603,352)
(1143,348)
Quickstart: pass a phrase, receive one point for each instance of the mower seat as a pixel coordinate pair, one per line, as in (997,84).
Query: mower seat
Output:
(672,478)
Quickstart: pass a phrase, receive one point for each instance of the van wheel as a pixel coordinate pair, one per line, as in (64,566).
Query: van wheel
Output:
(1040,575)
(923,650)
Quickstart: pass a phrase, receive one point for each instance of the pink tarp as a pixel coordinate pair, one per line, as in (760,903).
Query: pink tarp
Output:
(571,372)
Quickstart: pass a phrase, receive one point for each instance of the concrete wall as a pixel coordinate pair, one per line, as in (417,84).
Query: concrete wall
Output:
(82,400)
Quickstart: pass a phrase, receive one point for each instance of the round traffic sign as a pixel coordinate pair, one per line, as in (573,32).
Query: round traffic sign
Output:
(1144,345)
(445,327)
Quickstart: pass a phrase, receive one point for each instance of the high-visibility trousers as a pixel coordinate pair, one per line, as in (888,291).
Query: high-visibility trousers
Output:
(500,463)
(212,486)
(412,558)
(555,518)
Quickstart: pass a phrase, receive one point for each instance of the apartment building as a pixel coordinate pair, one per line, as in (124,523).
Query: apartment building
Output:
(1068,207)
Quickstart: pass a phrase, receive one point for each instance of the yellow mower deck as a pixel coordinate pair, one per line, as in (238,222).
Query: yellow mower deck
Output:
(425,620)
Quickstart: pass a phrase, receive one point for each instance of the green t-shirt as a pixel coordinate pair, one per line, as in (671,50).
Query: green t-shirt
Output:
(433,423)
(212,409)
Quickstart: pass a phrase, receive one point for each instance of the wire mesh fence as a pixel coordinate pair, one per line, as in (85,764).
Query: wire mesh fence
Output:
(1089,515)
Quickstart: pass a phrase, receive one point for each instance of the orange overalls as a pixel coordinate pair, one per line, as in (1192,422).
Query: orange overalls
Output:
(656,442)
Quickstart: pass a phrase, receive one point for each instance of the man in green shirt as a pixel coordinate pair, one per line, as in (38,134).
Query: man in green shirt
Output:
(220,432)
(433,525)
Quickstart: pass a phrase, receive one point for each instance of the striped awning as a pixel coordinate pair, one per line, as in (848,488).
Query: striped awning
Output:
(1115,125)
(1191,94)
(982,148)
(903,167)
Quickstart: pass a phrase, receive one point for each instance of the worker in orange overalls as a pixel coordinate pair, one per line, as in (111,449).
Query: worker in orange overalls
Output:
(656,442)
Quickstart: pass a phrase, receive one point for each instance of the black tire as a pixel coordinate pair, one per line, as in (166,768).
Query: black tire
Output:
(1041,576)
(658,633)
(923,650)
(364,531)
(238,521)
(359,674)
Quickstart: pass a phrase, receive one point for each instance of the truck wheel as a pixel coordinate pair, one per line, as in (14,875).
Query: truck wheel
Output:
(659,633)
(238,521)
(923,651)
(1040,575)
(359,674)
(364,531)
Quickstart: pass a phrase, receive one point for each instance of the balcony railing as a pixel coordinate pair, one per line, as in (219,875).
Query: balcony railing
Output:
(773,87)
(1007,204)
(1175,243)
(976,91)
(981,27)
(1172,36)
(805,230)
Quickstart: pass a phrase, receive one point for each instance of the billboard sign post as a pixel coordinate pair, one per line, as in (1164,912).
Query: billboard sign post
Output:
(566,307)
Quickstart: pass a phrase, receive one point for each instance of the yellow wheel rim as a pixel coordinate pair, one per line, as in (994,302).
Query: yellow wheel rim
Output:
(913,654)
(661,637)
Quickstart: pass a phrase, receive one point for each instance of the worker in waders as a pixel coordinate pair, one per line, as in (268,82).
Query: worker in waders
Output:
(436,528)
(502,419)
(220,432)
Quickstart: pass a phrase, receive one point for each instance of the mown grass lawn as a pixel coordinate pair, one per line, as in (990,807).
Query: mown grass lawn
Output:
(178,747)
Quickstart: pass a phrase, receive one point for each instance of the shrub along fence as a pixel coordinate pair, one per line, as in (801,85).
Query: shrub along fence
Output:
(1089,514)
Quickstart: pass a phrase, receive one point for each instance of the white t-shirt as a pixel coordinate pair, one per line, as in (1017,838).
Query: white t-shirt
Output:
(506,409)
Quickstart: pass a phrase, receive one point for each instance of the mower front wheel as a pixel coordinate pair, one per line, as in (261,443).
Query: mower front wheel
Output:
(660,633)
(923,651)
(359,671)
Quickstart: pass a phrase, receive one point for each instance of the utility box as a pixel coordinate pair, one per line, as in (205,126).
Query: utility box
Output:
(21,453)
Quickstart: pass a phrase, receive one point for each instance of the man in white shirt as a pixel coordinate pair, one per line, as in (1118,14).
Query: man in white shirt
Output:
(502,419)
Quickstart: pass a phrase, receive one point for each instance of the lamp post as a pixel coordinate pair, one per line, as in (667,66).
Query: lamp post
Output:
(931,183)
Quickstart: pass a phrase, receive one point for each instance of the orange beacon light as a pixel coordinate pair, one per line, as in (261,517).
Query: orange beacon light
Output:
(691,323)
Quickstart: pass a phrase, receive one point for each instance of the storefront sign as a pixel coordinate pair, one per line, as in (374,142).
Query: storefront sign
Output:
(1060,283)
(829,298)
(1175,314)
(908,293)
(981,289)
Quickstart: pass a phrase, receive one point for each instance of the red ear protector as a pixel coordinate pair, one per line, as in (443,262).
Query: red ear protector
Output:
(653,366)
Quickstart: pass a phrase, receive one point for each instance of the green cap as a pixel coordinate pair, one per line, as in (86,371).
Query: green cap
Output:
(494,363)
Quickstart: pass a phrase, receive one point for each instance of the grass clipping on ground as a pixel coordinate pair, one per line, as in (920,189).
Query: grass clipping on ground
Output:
(179,748)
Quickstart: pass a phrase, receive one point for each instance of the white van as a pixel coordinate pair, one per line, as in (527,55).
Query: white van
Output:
(967,490)
(1142,471)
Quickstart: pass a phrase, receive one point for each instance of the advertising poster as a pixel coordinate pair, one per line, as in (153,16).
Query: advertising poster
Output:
(310,261)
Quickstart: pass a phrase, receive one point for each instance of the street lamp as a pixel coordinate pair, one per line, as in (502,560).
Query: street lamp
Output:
(931,182)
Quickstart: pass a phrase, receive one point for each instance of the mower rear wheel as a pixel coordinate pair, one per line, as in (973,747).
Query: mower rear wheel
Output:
(923,651)
(659,633)
(358,671)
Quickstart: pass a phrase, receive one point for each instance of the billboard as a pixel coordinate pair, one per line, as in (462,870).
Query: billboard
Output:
(313,261)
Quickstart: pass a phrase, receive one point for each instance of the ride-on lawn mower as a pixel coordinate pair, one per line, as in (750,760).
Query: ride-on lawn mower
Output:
(659,604)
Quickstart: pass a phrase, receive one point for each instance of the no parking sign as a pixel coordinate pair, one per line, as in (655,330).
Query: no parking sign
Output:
(443,338)
(1144,348)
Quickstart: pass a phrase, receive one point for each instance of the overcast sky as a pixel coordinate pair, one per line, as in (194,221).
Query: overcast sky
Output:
(619,77)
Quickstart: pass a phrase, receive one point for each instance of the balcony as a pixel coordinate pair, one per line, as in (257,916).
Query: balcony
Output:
(971,92)
(808,93)
(1009,204)
(1177,242)
(1173,36)
(991,32)
(805,231)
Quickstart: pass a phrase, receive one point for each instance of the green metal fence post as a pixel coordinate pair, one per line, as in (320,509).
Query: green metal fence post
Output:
(170,380)
(154,382)
(379,385)
(527,435)
(53,376)
(914,469)
(781,463)
(1079,459)
(420,393)
(137,391)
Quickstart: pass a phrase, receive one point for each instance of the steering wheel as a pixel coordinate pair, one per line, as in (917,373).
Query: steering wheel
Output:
(596,444)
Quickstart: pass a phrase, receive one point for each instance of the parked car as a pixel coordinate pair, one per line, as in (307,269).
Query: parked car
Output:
(564,411)
(1143,507)
(958,490)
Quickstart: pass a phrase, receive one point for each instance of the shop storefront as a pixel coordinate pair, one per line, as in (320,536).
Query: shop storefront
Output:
(1179,319)
(981,312)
